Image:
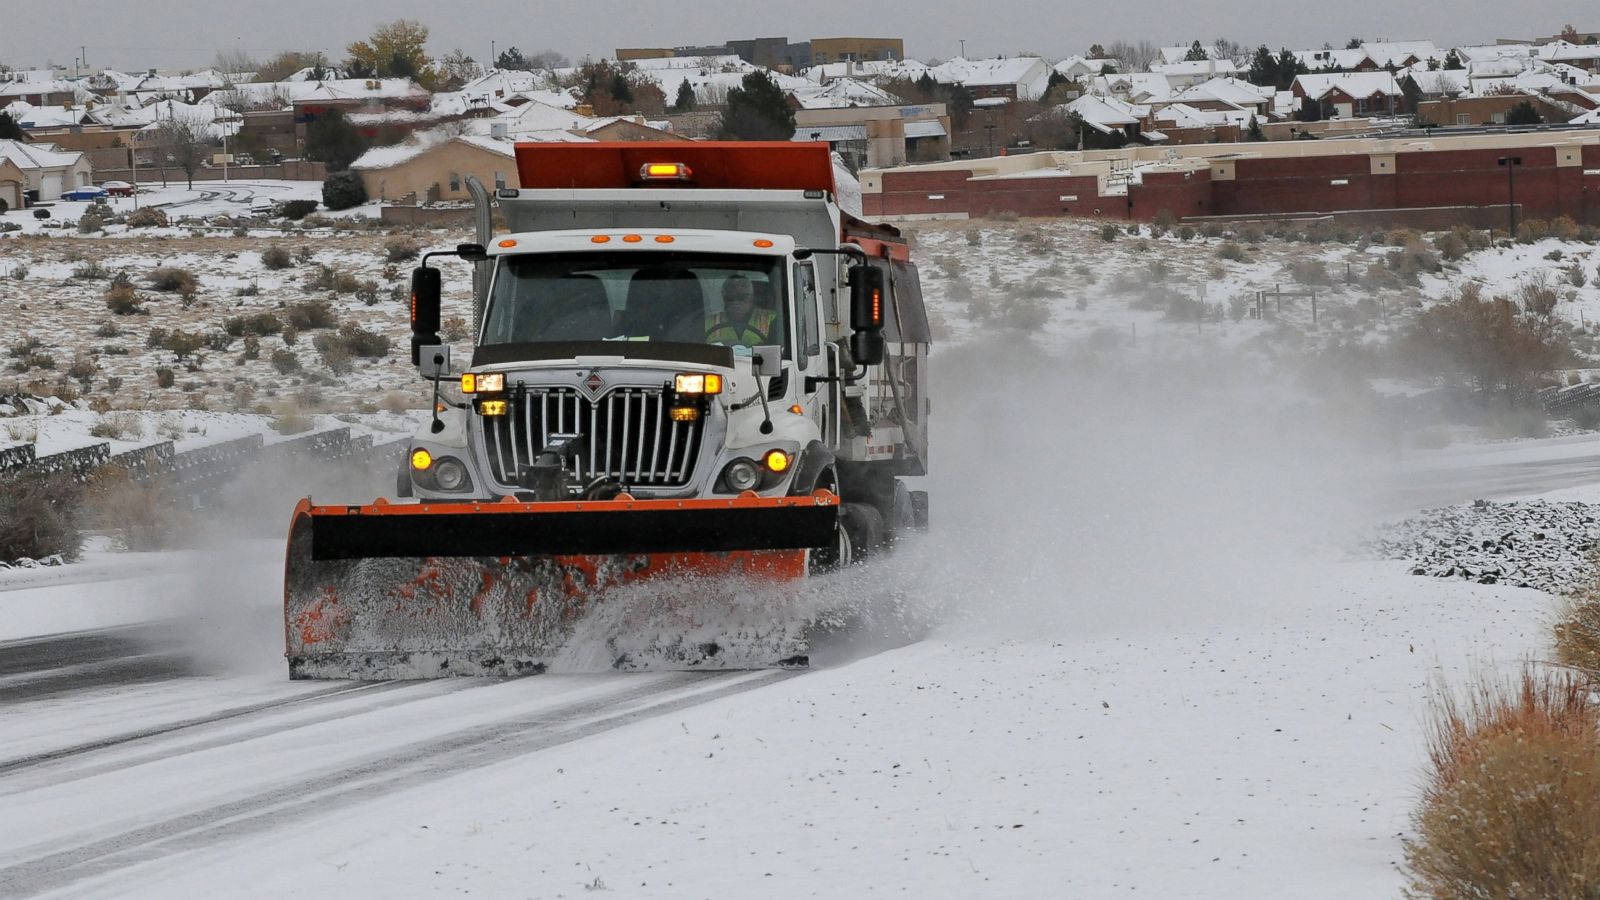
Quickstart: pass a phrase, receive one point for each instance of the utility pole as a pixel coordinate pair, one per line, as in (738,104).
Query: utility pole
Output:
(1511,163)
(963,48)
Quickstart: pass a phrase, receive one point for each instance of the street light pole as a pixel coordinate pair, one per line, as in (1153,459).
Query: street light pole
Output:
(1511,163)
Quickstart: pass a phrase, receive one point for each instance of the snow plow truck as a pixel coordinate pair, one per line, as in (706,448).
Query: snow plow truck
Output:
(688,367)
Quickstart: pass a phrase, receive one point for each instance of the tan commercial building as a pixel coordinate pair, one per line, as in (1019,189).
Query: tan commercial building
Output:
(830,50)
(879,136)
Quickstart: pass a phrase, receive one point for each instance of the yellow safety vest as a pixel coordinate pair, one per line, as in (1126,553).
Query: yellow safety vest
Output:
(759,329)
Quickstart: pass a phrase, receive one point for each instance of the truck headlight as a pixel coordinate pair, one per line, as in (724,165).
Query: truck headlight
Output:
(483,382)
(695,384)
(741,475)
(450,474)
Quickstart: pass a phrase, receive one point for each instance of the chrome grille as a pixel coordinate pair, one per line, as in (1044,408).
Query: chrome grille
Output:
(626,435)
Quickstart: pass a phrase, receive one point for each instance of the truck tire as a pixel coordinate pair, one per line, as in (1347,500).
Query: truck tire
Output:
(863,525)
(901,516)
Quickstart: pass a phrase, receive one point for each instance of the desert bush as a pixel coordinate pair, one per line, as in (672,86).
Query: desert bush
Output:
(165,377)
(1164,222)
(276,257)
(90,270)
(395,402)
(1495,344)
(1536,294)
(171,279)
(1186,232)
(1306,270)
(122,301)
(399,250)
(83,368)
(1252,233)
(1578,633)
(252,347)
(1400,237)
(1575,275)
(108,330)
(218,341)
(295,210)
(368,292)
(335,355)
(355,340)
(118,426)
(19,272)
(1511,803)
(1231,250)
(343,190)
(284,362)
(290,419)
(1450,245)
(454,329)
(1563,228)
(181,343)
(147,217)
(1108,232)
(40,516)
(1531,230)
(1210,230)
(255,324)
(332,278)
(308,314)
(1158,270)
(143,513)
(1413,260)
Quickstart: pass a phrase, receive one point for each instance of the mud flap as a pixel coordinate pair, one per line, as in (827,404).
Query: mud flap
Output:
(431,590)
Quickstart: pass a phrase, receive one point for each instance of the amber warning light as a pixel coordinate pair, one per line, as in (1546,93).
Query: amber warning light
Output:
(665,172)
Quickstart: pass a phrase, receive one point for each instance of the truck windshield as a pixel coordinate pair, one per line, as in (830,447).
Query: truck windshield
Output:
(732,300)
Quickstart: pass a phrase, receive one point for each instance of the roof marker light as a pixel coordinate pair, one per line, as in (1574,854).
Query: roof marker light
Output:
(600,239)
(665,172)
(664,239)
(508,242)
(631,239)
(762,243)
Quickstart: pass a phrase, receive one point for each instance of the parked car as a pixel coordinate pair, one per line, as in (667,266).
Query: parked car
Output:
(87,192)
(118,188)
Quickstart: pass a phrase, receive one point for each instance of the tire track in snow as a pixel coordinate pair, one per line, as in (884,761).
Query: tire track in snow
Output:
(376,777)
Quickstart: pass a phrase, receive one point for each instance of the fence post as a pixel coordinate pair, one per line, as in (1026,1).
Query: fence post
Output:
(1313,307)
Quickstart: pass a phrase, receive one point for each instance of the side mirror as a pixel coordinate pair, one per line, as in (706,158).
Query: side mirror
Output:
(866,348)
(768,360)
(425,290)
(472,252)
(866,298)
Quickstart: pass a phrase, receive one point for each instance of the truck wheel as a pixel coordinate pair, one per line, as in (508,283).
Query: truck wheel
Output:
(863,525)
(902,514)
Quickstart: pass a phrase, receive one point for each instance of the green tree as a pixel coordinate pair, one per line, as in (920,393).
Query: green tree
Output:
(1452,60)
(1196,53)
(343,190)
(684,102)
(1289,68)
(1097,52)
(512,60)
(757,110)
(1354,43)
(395,50)
(1523,114)
(1263,68)
(9,129)
(1253,133)
(333,140)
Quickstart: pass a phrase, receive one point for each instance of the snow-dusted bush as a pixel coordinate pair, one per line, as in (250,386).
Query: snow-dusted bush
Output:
(147,217)
(1511,804)
(173,280)
(343,190)
(400,250)
(40,516)
(276,257)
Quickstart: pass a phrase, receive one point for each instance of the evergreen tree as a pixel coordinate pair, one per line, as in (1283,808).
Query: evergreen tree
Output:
(9,129)
(1354,43)
(1289,68)
(512,60)
(757,110)
(1253,133)
(1452,60)
(1097,52)
(1263,68)
(685,98)
(1523,114)
(1196,53)
(333,140)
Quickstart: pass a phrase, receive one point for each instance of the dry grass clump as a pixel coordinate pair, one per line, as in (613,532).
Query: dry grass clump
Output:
(309,314)
(1511,807)
(142,512)
(173,280)
(400,249)
(1578,634)
(147,217)
(276,257)
(290,419)
(39,516)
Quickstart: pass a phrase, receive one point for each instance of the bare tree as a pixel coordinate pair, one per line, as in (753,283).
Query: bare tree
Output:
(1134,57)
(1222,48)
(182,144)
(287,63)
(548,59)
(458,68)
(233,63)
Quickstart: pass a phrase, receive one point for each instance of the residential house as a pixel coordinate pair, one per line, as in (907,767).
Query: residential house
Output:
(1330,60)
(1187,74)
(1391,55)
(1013,78)
(841,93)
(880,134)
(432,166)
(46,170)
(1228,94)
(12,184)
(1348,94)
(39,88)
(1081,68)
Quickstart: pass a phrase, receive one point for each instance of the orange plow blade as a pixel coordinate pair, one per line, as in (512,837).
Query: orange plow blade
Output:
(425,590)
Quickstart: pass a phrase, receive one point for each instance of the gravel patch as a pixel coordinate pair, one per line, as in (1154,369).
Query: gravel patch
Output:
(1533,543)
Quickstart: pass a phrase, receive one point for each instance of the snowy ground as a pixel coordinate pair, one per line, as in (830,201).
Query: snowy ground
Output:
(1154,666)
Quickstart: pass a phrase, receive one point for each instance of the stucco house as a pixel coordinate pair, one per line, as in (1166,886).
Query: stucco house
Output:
(11,184)
(46,169)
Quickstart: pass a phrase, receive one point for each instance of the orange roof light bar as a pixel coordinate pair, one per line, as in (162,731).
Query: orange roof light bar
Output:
(674,171)
(717,165)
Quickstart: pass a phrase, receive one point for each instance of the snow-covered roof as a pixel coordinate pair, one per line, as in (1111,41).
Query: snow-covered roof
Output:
(474,133)
(841,93)
(1317,60)
(1073,66)
(1139,87)
(1442,81)
(1181,52)
(1107,114)
(1188,68)
(830,133)
(37,156)
(1558,51)
(1396,53)
(1029,74)
(925,129)
(1227,90)
(867,70)
(1352,84)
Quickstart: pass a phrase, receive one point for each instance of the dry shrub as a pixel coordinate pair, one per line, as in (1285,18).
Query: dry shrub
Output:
(257,324)
(1532,230)
(1511,806)
(1578,634)
(1307,270)
(118,426)
(276,257)
(1563,228)
(40,516)
(1231,250)
(173,280)
(142,512)
(147,217)
(309,314)
(400,249)
(290,420)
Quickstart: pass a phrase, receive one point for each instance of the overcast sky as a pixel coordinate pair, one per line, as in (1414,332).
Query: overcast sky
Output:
(130,34)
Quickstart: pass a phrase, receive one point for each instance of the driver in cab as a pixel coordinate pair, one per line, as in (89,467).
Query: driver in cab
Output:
(740,323)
